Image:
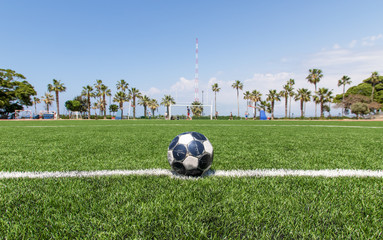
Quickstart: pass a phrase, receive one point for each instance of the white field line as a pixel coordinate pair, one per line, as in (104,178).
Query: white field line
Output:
(197,125)
(329,173)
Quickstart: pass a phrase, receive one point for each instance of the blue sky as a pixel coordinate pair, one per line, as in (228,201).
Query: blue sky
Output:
(151,44)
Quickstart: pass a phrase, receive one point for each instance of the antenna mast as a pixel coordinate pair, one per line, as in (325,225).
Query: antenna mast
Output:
(196,72)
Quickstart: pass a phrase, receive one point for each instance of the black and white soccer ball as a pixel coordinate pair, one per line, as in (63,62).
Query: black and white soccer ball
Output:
(190,154)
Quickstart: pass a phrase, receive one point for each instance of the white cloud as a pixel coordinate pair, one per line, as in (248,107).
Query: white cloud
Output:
(336,46)
(352,44)
(370,40)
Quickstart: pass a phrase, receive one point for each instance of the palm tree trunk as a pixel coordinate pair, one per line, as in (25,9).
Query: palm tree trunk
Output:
(286,107)
(122,109)
(314,101)
(344,85)
(301,108)
(272,110)
(144,110)
(57,103)
(104,105)
(290,107)
(88,105)
(238,101)
(215,102)
(167,111)
(35,108)
(372,93)
(134,107)
(255,110)
(321,109)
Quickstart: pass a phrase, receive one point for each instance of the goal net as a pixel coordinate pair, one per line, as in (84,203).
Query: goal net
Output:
(23,114)
(75,115)
(179,111)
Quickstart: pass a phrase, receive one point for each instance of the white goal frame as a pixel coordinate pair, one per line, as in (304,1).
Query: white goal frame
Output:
(75,115)
(19,112)
(190,106)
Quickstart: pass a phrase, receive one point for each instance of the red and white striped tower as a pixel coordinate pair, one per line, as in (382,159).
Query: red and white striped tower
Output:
(196,72)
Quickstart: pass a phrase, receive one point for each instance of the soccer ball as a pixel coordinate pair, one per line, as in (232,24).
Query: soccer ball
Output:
(190,154)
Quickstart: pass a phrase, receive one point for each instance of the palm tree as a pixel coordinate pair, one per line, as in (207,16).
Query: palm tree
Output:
(87,91)
(323,95)
(97,87)
(103,92)
(255,97)
(122,85)
(215,89)
(265,106)
(121,97)
(57,87)
(238,86)
(247,96)
(167,100)
(133,94)
(273,96)
(153,105)
(374,80)
(36,100)
(343,81)
(314,77)
(144,100)
(303,95)
(47,99)
(291,83)
(285,94)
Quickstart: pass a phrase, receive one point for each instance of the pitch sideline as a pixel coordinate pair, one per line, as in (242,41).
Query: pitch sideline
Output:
(328,173)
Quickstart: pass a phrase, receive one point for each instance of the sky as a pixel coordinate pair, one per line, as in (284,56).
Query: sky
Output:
(151,45)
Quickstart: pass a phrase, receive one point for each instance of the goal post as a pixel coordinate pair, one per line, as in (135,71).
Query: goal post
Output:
(75,115)
(173,108)
(23,114)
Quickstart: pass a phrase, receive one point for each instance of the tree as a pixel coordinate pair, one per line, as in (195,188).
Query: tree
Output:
(303,95)
(167,100)
(265,106)
(113,108)
(359,108)
(215,89)
(373,80)
(196,108)
(285,93)
(15,92)
(122,85)
(121,97)
(291,83)
(133,94)
(273,96)
(342,82)
(144,101)
(47,99)
(238,86)
(87,91)
(314,77)
(324,95)
(73,105)
(57,87)
(351,99)
(255,97)
(36,101)
(247,96)
(153,105)
(102,92)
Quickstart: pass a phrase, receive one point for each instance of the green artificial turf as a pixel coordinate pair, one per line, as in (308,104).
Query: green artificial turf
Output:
(154,207)
(100,145)
(149,207)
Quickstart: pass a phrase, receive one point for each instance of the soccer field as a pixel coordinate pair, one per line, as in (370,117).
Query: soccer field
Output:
(149,207)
